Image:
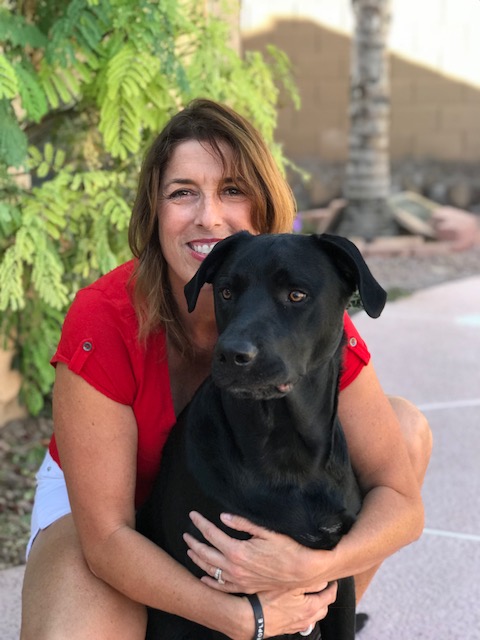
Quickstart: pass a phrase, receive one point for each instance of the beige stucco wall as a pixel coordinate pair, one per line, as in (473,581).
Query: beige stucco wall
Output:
(435,75)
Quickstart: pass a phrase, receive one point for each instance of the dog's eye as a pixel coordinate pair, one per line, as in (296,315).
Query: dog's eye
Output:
(296,296)
(226,293)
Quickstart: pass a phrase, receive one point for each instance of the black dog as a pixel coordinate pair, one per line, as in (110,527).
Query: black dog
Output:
(261,437)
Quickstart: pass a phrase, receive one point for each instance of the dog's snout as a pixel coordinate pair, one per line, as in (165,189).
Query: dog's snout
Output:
(241,354)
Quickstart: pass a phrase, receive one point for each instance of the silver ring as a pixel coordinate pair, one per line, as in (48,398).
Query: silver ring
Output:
(308,630)
(218,576)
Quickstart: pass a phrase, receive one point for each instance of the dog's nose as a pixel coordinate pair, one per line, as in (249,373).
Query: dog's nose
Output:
(241,354)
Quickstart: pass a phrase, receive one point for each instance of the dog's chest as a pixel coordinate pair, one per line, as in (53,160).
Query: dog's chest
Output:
(316,509)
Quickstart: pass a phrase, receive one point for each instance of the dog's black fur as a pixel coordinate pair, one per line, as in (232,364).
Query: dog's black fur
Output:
(261,437)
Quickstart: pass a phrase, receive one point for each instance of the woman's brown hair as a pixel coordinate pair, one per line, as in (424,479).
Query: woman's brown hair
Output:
(273,205)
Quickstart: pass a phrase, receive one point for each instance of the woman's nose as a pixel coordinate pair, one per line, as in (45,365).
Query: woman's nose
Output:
(209,213)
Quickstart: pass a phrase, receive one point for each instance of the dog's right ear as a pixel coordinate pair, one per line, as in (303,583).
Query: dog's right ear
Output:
(210,265)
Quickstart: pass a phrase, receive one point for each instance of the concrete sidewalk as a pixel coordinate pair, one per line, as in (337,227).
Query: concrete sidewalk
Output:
(427,348)
(10,610)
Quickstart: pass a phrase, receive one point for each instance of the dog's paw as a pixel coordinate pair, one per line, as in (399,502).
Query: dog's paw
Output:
(361,620)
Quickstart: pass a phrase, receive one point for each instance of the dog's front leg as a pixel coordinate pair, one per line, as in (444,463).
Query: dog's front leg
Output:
(340,621)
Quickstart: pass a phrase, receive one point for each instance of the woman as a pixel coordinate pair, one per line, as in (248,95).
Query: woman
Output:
(129,360)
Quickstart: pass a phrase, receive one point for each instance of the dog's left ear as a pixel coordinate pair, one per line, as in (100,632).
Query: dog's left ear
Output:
(210,265)
(350,261)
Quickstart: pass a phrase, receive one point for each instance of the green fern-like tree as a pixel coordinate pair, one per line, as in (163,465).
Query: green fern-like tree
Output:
(84,85)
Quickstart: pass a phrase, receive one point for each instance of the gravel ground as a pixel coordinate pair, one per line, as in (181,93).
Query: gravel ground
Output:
(23,442)
(22,447)
(408,274)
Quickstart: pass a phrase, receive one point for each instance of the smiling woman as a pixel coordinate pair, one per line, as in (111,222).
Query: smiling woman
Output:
(129,360)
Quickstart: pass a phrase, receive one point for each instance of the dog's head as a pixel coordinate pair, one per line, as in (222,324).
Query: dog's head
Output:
(279,303)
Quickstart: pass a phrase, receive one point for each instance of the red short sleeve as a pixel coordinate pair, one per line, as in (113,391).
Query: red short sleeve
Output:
(92,347)
(94,343)
(355,356)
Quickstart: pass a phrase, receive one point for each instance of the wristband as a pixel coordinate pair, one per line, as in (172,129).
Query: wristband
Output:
(258,613)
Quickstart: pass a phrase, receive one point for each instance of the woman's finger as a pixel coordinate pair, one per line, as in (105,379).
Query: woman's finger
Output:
(317,604)
(204,556)
(242,524)
(223,551)
(215,536)
(209,559)
(215,560)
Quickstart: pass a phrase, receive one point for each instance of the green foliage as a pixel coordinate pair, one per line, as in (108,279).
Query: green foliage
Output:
(84,86)
(8,79)
(13,141)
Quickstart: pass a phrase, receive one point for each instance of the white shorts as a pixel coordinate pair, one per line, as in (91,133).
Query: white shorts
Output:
(51,498)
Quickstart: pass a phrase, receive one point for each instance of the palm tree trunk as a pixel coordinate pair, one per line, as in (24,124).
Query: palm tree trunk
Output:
(367,180)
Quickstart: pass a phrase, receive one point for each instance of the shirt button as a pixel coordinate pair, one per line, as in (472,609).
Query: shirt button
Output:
(353,342)
(87,346)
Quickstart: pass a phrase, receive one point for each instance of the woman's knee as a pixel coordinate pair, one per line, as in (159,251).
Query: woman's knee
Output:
(61,598)
(416,432)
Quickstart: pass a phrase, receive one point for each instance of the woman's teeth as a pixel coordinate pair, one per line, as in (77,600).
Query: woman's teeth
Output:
(203,248)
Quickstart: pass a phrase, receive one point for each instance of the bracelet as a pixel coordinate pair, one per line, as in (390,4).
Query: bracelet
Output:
(258,613)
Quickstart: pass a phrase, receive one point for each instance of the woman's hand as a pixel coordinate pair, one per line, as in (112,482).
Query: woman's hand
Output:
(289,612)
(270,564)
(267,561)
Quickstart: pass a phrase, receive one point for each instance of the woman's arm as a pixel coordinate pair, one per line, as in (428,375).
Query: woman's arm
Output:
(392,514)
(97,442)
(390,518)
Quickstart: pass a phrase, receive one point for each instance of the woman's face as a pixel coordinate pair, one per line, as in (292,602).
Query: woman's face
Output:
(198,207)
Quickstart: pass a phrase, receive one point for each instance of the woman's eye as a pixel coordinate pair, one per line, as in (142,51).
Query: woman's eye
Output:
(180,193)
(226,293)
(296,296)
(233,192)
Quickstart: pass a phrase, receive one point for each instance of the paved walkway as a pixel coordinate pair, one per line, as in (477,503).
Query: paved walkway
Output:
(427,348)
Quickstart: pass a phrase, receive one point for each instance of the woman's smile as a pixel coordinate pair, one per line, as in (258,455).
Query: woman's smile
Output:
(201,248)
